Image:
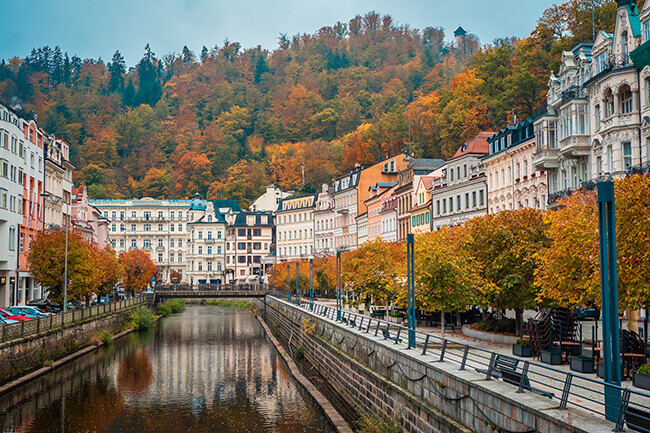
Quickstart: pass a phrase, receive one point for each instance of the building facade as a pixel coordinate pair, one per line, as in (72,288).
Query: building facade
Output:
(249,241)
(324,218)
(57,200)
(206,243)
(460,189)
(388,214)
(295,227)
(374,206)
(270,200)
(346,208)
(157,226)
(421,211)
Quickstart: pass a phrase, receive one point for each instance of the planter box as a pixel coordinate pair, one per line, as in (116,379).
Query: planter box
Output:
(641,380)
(600,371)
(582,364)
(397,320)
(551,357)
(523,351)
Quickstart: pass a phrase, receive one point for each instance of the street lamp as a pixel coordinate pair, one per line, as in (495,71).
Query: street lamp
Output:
(65,265)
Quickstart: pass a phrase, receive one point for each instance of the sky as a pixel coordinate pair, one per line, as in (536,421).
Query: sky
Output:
(96,28)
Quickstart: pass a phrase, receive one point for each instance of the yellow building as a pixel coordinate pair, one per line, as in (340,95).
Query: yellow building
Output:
(421,212)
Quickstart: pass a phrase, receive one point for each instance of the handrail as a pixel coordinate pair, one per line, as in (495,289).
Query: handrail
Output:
(25,328)
(572,389)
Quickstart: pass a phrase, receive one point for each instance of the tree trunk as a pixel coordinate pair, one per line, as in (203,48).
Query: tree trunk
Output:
(518,315)
(484,314)
(442,322)
(459,321)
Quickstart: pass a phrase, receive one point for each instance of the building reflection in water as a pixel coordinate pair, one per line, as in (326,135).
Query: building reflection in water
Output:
(209,369)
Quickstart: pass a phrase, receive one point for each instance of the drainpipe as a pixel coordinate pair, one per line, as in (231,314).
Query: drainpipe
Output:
(640,123)
(512,174)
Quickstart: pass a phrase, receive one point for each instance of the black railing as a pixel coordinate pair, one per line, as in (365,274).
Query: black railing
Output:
(571,389)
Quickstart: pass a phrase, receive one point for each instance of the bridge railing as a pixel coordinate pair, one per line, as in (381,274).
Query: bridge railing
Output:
(572,390)
(25,328)
(266,288)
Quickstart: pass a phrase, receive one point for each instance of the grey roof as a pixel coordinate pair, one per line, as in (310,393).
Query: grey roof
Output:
(422,166)
(218,219)
(230,203)
(240,219)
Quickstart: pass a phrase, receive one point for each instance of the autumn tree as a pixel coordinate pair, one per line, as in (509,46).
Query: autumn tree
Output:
(139,270)
(504,246)
(46,261)
(446,277)
(117,68)
(106,268)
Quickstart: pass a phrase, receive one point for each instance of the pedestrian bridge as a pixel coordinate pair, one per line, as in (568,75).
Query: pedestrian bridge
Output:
(213,291)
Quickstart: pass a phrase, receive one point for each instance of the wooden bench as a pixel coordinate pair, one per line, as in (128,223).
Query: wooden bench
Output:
(514,378)
(502,363)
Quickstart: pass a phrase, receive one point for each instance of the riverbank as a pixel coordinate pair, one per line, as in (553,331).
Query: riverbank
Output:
(332,414)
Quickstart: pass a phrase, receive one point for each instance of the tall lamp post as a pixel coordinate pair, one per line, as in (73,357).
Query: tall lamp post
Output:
(65,263)
(338,285)
(410,288)
(297,283)
(311,285)
(288,282)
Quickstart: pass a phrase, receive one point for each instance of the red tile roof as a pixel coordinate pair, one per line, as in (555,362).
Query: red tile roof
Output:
(427,181)
(477,145)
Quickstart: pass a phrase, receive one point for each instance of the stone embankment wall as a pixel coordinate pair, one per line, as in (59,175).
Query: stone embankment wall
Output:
(23,354)
(381,378)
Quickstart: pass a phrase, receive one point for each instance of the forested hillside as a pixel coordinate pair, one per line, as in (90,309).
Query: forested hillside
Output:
(226,121)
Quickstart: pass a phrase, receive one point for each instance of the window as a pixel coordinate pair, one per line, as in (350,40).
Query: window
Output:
(200,249)
(241,232)
(171,257)
(624,46)
(218,249)
(133,227)
(200,235)
(602,62)
(241,245)
(473,198)
(160,227)
(171,243)
(160,257)
(209,266)
(160,243)
(180,227)
(21,246)
(627,155)
(12,238)
(121,243)
(451,204)
(171,227)
(466,200)
(134,243)
(209,235)
(241,259)
(180,216)
(160,215)
(451,174)
(180,257)
(257,245)
(200,264)
(437,207)
(146,243)
(209,247)
(458,202)
(113,228)
(180,242)
(257,232)
(171,215)
(147,227)
(626,100)
(481,198)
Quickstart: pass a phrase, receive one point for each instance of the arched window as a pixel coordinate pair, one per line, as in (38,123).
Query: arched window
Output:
(608,101)
(625,95)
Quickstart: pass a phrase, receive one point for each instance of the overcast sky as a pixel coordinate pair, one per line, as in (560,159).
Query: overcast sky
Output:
(96,28)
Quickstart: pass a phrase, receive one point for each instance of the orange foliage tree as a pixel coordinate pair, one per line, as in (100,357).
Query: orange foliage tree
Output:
(138,270)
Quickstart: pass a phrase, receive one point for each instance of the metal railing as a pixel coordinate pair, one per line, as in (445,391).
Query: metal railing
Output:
(572,390)
(267,288)
(25,328)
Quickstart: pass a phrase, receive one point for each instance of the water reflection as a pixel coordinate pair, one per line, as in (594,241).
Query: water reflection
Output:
(210,369)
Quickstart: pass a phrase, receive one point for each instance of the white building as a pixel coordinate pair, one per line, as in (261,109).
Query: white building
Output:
(345,196)
(206,243)
(461,192)
(388,214)
(270,200)
(58,183)
(158,226)
(295,227)
(324,219)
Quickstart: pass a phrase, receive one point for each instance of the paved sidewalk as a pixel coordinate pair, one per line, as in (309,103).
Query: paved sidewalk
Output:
(589,393)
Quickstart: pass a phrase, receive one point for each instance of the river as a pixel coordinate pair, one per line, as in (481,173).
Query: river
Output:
(210,369)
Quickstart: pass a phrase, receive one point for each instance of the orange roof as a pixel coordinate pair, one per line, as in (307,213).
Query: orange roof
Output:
(478,144)
(427,181)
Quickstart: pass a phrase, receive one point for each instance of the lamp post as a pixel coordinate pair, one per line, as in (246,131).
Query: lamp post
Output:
(311,285)
(338,285)
(410,288)
(297,283)
(288,282)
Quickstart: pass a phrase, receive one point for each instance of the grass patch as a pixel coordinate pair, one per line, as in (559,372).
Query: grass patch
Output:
(375,424)
(230,304)
(142,319)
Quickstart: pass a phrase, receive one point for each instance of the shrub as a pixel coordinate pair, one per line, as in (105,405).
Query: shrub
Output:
(505,326)
(299,354)
(523,342)
(177,305)
(164,310)
(142,318)
(644,369)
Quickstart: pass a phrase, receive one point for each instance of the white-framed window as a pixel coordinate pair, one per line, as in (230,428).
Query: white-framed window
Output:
(627,155)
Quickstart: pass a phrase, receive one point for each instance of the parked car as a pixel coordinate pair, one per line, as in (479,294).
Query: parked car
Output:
(8,315)
(18,312)
(5,321)
(45,305)
(589,312)
(32,310)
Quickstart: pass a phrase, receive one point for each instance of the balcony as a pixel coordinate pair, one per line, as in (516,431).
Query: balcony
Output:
(575,146)
(546,159)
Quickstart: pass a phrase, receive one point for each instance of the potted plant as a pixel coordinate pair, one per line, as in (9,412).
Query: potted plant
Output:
(394,317)
(522,348)
(642,377)
(551,356)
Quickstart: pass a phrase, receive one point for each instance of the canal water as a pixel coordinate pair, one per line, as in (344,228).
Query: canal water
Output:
(210,369)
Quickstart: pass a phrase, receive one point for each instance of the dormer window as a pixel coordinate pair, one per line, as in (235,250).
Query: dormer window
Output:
(624,46)
(602,62)
(646,31)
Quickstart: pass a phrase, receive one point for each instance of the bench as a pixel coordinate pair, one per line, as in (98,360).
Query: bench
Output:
(514,378)
(377,313)
(502,363)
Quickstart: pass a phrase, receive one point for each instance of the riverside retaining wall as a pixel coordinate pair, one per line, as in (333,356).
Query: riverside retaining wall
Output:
(379,377)
(23,354)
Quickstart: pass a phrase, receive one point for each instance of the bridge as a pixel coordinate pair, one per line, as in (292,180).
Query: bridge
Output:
(213,291)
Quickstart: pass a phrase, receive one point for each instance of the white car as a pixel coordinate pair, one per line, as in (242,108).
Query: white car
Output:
(32,310)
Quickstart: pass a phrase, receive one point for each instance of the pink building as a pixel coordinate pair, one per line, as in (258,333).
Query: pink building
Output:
(87,219)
